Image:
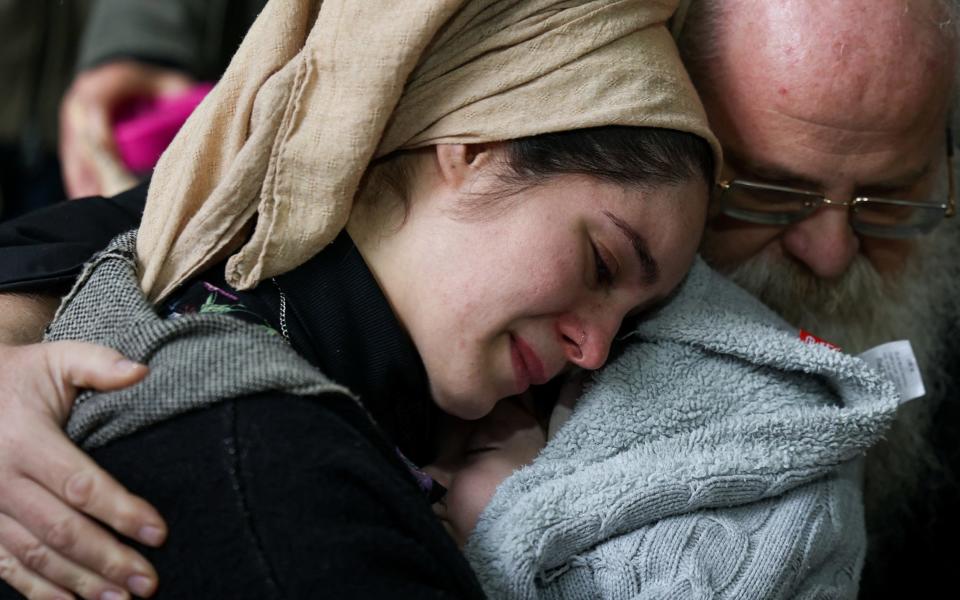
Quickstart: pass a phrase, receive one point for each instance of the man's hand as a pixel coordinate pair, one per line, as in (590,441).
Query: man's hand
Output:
(50,491)
(91,166)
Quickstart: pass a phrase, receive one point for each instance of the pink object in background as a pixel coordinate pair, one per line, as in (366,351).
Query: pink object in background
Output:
(144,128)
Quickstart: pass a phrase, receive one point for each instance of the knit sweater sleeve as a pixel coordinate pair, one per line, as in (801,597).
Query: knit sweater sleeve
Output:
(807,543)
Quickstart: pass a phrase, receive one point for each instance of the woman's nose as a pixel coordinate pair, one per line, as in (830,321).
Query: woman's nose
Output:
(586,341)
(824,242)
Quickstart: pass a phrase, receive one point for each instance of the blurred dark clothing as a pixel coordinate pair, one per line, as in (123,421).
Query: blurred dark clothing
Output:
(44,251)
(920,563)
(38,47)
(197,37)
(28,180)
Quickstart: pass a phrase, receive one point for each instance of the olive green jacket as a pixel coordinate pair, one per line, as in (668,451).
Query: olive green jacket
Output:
(196,36)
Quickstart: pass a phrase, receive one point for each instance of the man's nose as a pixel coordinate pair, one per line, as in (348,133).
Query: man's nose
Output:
(587,339)
(824,242)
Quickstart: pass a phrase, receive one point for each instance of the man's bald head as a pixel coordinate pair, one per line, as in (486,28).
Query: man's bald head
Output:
(844,97)
(862,65)
(800,54)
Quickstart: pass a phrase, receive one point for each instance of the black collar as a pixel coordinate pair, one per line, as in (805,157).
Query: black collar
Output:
(339,320)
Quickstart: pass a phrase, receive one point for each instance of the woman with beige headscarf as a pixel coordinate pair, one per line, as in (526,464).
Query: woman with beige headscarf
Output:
(380,204)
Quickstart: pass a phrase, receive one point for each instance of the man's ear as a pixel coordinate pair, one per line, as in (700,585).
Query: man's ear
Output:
(460,164)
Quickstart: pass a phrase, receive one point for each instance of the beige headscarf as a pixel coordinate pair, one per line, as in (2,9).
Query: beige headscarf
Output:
(319,89)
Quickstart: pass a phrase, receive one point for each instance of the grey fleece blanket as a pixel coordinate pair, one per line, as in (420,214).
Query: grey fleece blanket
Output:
(716,458)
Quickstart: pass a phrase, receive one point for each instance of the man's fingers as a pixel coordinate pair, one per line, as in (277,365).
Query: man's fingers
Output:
(61,530)
(97,131)
(78,176)
(45,572)
(42,474)
(85,129)
(170,83)
(113,174)
(80,482)
(29,584)
(79,180)
(84,365)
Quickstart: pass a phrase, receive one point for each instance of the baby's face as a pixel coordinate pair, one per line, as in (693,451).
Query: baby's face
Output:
(474,457)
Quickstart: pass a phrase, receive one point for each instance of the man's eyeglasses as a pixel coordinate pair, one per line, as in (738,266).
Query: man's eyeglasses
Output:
(878,217)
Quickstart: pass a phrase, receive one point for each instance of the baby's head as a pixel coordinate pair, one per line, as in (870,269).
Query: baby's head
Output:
(474,457)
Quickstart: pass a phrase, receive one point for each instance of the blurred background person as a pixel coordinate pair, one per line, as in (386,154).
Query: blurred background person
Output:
(139,51)
(80,66)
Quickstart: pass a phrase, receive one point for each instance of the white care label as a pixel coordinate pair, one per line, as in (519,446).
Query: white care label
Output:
(897,361)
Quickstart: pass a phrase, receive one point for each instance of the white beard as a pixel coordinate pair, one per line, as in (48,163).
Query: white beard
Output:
(863,309)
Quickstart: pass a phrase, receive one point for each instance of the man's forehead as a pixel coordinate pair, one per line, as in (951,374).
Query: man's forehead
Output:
(901,174)
(840,30)
(808,101)
(850,63)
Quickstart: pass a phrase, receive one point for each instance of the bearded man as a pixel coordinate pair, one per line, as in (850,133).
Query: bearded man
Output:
(834,210)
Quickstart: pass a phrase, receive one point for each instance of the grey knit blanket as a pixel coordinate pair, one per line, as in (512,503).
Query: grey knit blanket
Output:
(716,458)
(194,360)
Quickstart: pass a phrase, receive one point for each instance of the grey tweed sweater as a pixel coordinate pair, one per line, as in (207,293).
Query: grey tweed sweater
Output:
(718,457)
(194,361)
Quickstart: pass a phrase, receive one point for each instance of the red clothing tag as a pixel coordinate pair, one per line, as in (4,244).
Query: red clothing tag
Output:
(808,338)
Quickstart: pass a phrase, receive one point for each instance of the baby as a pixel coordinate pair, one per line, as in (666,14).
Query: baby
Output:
(474,457)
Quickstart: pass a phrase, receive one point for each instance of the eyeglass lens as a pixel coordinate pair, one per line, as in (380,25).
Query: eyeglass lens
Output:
(773,205)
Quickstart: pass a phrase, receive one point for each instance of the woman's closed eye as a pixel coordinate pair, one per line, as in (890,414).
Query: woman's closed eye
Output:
(603,273)
(476,451)
(487,436)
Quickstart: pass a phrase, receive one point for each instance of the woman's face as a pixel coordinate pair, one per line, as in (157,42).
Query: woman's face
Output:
(538,282)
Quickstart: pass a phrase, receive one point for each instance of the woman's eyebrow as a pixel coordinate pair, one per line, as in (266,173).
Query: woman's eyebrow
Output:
(648,265)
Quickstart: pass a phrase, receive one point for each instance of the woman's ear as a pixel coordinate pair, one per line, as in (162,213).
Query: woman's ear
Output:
(459,164)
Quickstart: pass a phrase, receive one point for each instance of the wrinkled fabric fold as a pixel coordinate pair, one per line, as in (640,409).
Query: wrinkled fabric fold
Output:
(267,168)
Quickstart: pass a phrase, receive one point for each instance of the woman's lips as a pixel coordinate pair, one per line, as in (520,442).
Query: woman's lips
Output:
(527,366)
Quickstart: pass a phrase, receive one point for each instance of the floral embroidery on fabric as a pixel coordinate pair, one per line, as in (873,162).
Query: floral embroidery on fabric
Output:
(203,297)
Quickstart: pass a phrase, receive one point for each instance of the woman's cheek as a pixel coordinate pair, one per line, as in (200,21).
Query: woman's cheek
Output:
(554,284)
